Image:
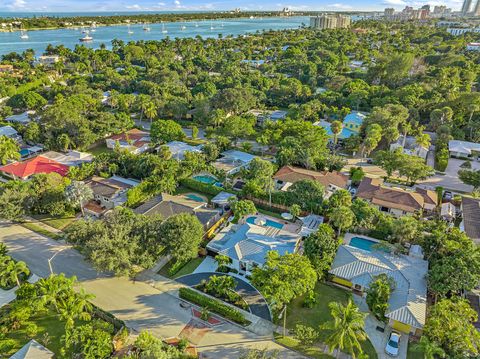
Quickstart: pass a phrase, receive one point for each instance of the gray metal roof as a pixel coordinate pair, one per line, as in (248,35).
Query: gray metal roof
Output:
(33,350)
(408,302)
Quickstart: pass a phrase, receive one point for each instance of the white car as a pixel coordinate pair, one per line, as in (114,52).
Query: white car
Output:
(393,344)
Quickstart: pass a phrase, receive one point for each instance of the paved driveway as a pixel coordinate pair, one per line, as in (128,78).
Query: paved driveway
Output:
(141,306)
(254,299)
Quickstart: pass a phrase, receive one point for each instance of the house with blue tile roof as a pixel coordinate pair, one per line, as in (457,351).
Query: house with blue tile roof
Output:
(352,124)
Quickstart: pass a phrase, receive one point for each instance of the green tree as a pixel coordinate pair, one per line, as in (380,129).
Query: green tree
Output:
(405,229)
(236,127)
(182,235)
(378,295)
(305,335)
(242,208)
(336,127)
(450,325)
(470,177)
(390,161)
(415,168)
(295,210)
(308,194)
(78,193)
(163,131)
(347,328)
(373,135)
(9,150)
(342,217)
(320,248)
(283,278)
(32,132)
(430,349)
(12,272)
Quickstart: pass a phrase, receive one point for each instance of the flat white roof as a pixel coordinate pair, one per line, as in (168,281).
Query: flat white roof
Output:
(463,146)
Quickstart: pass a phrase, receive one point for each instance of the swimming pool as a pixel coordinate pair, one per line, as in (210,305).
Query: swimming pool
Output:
(205,179)
(268,222)
(195,197)
(24,152)
(362,243)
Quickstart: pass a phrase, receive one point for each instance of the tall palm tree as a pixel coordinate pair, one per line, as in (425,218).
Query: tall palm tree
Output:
(150,111)
(79,193)
(336,127)
(430,349)
(12,271)
(9,150)
(54,289)
(347,328)
(75,306)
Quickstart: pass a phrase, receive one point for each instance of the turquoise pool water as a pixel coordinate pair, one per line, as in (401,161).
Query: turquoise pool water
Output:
(24,152)
(205,179)
(195,197)
(268,222)
(362,243)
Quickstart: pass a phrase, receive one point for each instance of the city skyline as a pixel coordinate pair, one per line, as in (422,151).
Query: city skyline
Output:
(195,5)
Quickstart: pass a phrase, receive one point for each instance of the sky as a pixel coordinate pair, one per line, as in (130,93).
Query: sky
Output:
(211,5)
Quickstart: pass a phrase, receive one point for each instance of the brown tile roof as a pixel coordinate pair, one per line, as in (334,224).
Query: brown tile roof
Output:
(94,207)
(408,201)
(294,174)
(429,196)
(471,217)
(106,187)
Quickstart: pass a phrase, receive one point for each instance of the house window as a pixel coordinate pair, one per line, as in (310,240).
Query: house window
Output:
(384,209)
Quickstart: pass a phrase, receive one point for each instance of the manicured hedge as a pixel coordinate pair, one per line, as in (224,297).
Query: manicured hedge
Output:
(201,187)
(212,305)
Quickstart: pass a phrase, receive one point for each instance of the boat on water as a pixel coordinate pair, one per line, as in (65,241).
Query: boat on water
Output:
(164,30)
(23,35)
(129,30)
(86,38)
(183,27)
(146,27)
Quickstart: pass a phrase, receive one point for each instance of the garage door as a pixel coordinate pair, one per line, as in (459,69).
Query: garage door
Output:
(405,328)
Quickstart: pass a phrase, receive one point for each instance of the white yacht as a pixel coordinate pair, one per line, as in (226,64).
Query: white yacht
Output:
(23,35)
(146,27)
(86,38)
(129,30)
(183,27)
(164,30)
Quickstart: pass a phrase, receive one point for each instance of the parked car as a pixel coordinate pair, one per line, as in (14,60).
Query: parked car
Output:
(393,344)
(447,196)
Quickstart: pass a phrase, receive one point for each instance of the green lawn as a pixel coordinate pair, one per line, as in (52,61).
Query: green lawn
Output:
(55,222)
(320,313)
(188,268)
(312,352)
(50,324)
(99,148)
(270,213)
(40,230)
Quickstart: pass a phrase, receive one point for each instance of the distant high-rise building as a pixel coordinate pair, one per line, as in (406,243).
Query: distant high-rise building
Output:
(471,8)
(389,12)
(330,21)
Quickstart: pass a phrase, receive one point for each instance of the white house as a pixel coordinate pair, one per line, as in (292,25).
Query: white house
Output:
(410,147)
(464,149)
(178,149)
(48,60)
(134,141)
(22,118)
(232,161)
(10,132)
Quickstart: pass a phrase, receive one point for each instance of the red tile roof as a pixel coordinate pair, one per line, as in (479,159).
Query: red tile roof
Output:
(33,166)
(294,174)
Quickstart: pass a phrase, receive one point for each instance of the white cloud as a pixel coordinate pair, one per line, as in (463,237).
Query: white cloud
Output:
(394,2)
(339,6)
(134,7)
(16,4)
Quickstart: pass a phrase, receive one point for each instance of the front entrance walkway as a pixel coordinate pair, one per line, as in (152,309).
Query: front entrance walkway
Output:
(257,304)
(208,265)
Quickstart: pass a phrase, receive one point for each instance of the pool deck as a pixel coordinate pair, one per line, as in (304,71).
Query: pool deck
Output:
(348,237)
(287,226)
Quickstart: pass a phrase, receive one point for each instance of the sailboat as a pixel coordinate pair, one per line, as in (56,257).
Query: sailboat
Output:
(211,26)
(23,35)
(196,24)
(164,30)
(183,27)
(129,31)
(146,27)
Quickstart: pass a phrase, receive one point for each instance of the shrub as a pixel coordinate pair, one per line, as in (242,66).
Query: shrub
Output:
(200,186)
(305,335)
(309,299)
(213,305)
(441,159)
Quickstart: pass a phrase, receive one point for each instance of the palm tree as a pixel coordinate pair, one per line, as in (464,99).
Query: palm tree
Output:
(423,140)
(75,306)
(54,289)
(9,150)
(12,271)
(336,127)
(430,349)
(79,193)
(142,102)
(347,328)
(150,111)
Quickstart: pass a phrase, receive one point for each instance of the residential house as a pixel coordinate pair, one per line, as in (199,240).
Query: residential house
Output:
(232,161)
(356,268)
(108,193)
(464,149)
(396,201)
(288,175)
(48,60)
(178,149)
(23,118)
(254,63)
(247,244)
(47,162)
(10,132)
(7,69)
(351,125)
(134,141)
(473,46)
(33,350)
(167,205)
(222,200)
(410,147)
(471,218)
(263,116)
